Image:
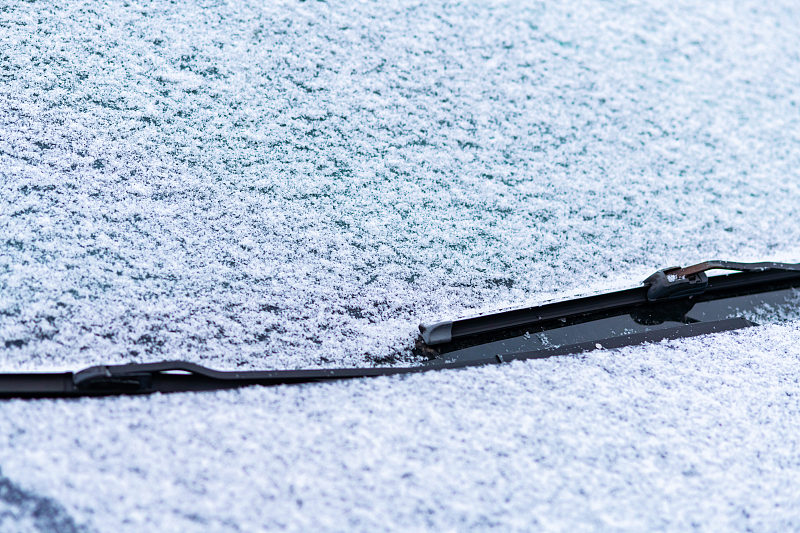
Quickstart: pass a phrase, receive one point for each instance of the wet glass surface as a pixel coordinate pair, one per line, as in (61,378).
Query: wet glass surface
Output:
(768,307)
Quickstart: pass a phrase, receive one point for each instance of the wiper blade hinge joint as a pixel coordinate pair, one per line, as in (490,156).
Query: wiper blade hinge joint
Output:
(103,379)
(665,285)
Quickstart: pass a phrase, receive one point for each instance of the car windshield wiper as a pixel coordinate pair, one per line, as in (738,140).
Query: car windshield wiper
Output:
(672,303)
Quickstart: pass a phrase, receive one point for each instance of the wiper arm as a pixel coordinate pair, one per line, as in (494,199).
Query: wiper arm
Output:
(680,291)
(678,282)
(732,265)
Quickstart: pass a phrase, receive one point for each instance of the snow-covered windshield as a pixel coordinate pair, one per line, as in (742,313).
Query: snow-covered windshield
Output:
(283,184)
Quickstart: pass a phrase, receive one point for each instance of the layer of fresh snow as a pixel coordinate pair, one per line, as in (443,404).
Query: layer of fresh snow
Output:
(282,185)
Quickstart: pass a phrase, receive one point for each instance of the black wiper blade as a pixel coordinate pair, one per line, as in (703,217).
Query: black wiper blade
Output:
(672,283)
(608,321)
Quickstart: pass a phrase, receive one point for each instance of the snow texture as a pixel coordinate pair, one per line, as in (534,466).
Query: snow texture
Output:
(299,184)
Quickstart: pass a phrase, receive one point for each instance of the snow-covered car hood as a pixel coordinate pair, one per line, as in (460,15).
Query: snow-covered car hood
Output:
(300,184)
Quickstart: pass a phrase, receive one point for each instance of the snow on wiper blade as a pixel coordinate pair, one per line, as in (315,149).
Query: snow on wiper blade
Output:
(685,303)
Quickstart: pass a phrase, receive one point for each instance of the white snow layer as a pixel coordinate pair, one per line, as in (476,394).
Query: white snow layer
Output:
(283,185)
